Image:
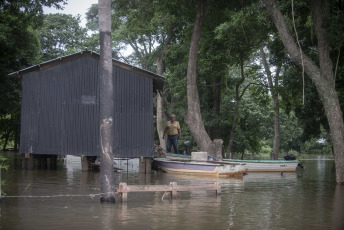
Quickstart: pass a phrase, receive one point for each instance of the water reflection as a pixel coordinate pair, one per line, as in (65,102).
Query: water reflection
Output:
(67,198)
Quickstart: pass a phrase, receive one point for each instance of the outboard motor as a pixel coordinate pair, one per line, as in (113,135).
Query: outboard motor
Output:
(188,145)
(289,157)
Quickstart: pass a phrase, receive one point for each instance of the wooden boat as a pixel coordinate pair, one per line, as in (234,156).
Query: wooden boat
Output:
(200,167)
(253,165)
(267,165)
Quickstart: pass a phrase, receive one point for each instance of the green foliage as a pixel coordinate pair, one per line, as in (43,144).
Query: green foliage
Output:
(266,149)
(61,35)
(231,36)
(311,114)
(318,147)
(3,165)
(243,32)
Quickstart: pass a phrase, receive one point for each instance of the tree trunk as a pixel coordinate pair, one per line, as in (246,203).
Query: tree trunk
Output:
(321,77)
(277,132)
(238,97)
(160,121)
(275,104)
(231,140)
(106,104)
(216,89)
(16,135)
(193,117)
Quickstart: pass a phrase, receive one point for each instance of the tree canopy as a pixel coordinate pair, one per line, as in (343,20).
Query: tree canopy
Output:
(232,83)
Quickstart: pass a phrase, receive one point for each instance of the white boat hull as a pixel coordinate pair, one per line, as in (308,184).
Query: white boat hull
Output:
(268,166)
(204,168)
(252,165)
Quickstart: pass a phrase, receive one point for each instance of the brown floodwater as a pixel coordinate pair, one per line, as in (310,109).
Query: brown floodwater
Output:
(68,198)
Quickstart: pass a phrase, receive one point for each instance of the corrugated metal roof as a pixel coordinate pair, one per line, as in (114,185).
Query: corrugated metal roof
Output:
(158,80)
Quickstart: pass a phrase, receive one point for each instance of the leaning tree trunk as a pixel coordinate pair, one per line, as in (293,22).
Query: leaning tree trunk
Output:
(275,104)
(106,104)
(323,77)
(193,117)
(160,122)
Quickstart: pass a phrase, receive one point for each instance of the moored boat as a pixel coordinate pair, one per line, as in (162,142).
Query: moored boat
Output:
(200,167)
(253,165)
(267,165)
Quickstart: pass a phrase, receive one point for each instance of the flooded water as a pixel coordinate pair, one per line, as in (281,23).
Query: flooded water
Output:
(67,198)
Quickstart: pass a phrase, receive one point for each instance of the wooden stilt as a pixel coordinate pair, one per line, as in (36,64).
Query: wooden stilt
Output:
(53,162)
(142,165)
(38,162)
(30,161)
(148,165)
(44,162)
(24,162)
(84,163)
(145,165)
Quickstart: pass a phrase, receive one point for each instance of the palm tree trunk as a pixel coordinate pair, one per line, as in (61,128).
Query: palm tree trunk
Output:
(106,104)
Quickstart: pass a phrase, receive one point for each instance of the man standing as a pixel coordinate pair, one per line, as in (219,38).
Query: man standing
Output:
(173,131)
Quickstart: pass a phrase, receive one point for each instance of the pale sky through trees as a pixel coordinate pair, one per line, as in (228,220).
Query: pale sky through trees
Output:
(74,7)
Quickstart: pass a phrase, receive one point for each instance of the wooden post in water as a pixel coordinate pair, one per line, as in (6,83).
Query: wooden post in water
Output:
(106,104)
(174,192)
(84,163)
(53,162)
(145,165)
(123,194)
(148,164)
(44,162)
(30,161)
(142,165)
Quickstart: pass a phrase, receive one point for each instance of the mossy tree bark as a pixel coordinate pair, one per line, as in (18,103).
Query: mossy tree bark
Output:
(193,117)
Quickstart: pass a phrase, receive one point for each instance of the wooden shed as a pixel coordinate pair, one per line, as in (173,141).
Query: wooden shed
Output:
(60,107)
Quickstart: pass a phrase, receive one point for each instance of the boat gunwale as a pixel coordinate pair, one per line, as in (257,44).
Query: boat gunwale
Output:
(189,162)
(238,160)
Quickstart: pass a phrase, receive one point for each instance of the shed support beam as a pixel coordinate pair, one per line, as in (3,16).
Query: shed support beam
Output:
(145,165)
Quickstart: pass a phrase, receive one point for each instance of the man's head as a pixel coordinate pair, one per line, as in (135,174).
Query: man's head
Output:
(173,117)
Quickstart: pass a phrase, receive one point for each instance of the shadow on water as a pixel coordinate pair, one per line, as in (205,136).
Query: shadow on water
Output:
(67,198)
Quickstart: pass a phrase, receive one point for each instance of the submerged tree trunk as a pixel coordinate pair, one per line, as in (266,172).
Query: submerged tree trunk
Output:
(322,77)
(273,85)
(160,121)
(193,117)
(106,104)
